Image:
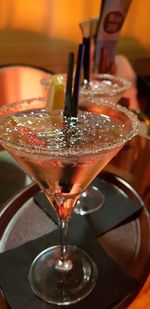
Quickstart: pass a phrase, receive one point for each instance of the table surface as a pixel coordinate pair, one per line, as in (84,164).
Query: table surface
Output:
(128,245)
(132,163)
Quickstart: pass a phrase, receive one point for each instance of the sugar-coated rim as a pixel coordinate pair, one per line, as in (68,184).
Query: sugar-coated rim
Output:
(65,153)
(126,84)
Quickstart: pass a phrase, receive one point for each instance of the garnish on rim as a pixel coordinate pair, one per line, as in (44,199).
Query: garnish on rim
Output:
(55,96)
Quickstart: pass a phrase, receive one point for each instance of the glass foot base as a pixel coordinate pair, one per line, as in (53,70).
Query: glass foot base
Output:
(91,200)
(62,287)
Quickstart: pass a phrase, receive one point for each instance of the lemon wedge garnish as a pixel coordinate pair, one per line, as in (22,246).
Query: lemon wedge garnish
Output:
(56,95)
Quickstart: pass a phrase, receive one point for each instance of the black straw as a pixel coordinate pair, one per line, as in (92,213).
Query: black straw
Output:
(68,96)
(86,60)
(77,80)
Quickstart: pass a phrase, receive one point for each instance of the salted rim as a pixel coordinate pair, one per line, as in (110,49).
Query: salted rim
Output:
(65,153)
(112,91)
(126,84)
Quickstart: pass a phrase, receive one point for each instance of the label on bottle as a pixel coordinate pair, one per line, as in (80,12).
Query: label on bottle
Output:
(113,13)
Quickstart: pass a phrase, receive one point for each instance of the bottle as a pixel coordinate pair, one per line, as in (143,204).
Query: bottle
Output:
(112,16)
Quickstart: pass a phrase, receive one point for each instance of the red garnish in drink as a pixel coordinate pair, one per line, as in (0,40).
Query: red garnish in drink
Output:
(29,137)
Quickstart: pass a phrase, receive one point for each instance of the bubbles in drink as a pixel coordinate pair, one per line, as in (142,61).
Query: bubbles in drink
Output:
(54,134)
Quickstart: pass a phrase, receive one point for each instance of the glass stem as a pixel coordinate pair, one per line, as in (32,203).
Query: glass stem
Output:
(63,226)
(63,263)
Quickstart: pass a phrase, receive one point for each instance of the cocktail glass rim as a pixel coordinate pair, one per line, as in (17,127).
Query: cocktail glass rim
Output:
(10,109)
(123,83)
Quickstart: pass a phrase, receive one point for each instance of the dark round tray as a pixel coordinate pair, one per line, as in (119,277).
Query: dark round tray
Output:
(128,244)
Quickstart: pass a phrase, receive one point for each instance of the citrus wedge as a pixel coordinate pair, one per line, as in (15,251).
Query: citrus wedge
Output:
(56,96)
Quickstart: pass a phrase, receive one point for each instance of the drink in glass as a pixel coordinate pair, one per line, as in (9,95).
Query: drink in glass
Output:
(63,156)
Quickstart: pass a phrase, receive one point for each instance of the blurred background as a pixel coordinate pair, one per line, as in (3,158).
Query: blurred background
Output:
(30,31)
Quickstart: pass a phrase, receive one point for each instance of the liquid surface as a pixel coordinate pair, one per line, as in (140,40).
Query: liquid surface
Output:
(38,131)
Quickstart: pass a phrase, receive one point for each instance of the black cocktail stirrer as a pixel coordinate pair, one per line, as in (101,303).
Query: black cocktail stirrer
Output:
(86,60)
(76,89)
(68,95)
(71,100)
(71,110)
(86,28)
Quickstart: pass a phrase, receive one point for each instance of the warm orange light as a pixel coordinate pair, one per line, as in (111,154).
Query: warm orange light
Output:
(56,18)
(60,18)
(18,84)
(137,23)
(68,14)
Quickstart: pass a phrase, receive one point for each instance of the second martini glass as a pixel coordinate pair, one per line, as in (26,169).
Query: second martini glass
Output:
(102,87)
(63,156)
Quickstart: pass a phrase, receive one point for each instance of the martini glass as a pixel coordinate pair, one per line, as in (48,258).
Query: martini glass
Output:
(63,156)
(104,86)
